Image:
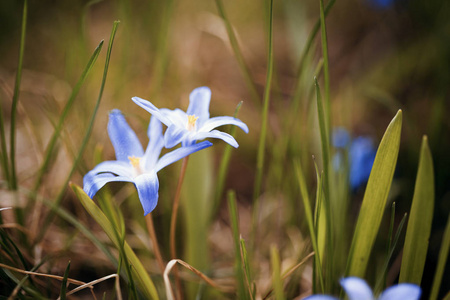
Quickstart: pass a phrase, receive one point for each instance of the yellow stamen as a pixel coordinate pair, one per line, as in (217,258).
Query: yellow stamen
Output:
(191,122)
(135,162)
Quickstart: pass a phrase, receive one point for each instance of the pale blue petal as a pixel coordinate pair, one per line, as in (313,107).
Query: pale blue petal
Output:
(219,121)
(116,167)
(123,138)
(174,135)
(217,135)
(176,116)
(93,183)
(147,186)
(155,144)
(320,297)
(402,291)
(356,288)
(148,106)
(180,153)
(199,104)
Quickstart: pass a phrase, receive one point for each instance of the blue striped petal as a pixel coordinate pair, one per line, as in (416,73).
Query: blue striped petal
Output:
(174,135)
(93,183)
(147,186)
(155,144)
(356,288)
(148,106)
(217,135)
(123,138)
(180,153)
(199,104)
(402,291)
(219,121)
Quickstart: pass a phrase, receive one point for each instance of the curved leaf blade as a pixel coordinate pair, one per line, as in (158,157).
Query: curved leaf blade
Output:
(375,198)
(421,217)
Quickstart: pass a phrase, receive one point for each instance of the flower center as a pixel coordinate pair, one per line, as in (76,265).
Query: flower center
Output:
(135,162)
(192,119)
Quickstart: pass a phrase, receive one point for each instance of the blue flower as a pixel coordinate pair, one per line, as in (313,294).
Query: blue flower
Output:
(193,125)
(357,289)
(133,164)
(362,155)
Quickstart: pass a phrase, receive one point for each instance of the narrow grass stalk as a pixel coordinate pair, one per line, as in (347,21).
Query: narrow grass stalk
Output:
(303,56)
(51,145)
(325,143)
(239,270)
(388,249)
(276,273)
(381,280)
(238,54)
(224,164)
(173,222)
(326,73)
(442,260)
(87,135)
(12,152)
(309,220)
(265,112)
(152,234)
(4,154)
(62,294)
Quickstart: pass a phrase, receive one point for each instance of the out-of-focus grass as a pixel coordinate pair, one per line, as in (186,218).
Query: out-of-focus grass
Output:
(162,51)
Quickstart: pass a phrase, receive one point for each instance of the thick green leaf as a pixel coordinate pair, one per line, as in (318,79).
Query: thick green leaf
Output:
(146,283)
(375,198)
(62,295)
(421,217)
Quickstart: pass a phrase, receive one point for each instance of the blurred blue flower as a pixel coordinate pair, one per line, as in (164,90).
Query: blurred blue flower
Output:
(133,164)
(341,137)
(382,4)
(362,155)
(195,124)
(357,289)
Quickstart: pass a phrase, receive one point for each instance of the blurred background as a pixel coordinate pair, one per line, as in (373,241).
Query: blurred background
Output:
(384,56)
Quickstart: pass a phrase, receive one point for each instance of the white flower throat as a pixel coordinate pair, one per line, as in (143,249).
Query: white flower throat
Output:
(136,163)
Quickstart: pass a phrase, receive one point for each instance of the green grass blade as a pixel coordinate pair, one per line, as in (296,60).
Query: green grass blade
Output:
(442,260)
(248,275)
(4,154)
(420,219)
(87,135)
(238,54)
(325,143)
(234,219)
(146,283)
(304,55)
(326,73)
(276,273)
(309,220)
(375,198)
(13,178)
(49,153)
(382,281)
(62,295)
(265,113)
(224,164)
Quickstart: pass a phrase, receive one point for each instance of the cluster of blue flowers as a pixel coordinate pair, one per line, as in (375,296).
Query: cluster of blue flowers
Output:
(140,167)
(357,289)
